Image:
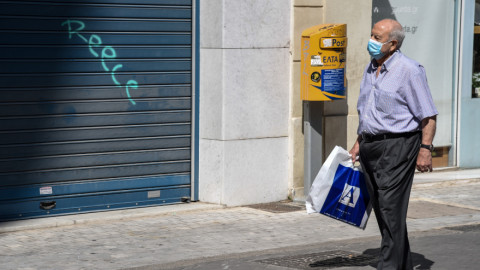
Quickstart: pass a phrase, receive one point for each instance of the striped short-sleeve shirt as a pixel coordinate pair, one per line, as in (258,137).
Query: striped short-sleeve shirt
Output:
(397,100)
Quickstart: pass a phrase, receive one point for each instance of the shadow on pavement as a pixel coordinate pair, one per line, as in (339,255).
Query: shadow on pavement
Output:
(419,260)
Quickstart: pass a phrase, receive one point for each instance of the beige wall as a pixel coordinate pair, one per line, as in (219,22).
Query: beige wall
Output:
(305,14)
(341,118)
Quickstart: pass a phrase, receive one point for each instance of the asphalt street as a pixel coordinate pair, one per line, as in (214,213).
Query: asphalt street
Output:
(443,249)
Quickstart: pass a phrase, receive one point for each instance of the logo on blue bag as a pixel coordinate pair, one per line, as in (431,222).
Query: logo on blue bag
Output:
(350,195)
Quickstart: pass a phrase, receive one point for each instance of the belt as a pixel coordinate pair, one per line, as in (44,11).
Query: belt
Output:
(379,137)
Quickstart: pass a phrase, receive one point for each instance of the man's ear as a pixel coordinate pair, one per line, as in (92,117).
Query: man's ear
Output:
(394,46)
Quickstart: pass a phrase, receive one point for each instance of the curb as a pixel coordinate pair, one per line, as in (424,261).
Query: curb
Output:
(444,183)
(105,216)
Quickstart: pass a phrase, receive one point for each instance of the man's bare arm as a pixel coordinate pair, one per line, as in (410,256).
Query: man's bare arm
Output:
(424,160)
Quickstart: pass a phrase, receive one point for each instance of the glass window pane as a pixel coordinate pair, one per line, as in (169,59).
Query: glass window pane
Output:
(476,53)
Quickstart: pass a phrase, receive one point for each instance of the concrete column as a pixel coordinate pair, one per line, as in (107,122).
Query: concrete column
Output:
(244,97)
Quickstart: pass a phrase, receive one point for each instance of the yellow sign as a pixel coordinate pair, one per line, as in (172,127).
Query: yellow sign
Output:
(323,62)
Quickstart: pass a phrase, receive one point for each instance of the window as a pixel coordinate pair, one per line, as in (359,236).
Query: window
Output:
(476,53)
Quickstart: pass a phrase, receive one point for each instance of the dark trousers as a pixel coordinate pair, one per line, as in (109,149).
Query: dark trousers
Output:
(389,166)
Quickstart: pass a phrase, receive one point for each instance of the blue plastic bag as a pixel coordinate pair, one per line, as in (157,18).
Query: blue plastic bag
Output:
(339,191)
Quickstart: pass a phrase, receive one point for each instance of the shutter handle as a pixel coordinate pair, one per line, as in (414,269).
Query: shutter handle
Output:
(47,205)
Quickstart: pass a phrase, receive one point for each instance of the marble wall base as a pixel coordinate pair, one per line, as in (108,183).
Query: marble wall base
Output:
(240,172)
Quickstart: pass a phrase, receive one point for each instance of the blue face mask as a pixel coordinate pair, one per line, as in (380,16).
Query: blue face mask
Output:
(374,48)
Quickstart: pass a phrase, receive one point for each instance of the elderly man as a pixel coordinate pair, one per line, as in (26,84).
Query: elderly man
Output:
(397,122)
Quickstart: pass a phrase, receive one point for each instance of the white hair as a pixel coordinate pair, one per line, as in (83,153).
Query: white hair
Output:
(397,34)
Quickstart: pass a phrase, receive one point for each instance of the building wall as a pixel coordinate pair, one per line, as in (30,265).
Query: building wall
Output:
(306,13)
(340,117)
(244,97)
(251,140)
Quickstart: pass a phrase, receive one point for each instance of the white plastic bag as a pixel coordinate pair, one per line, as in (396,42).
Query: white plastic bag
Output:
(339,190)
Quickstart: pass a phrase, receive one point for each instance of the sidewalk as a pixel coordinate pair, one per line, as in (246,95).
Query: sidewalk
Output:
(167,235)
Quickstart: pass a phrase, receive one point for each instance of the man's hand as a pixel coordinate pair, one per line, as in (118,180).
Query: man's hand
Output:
(355,151)
(424,160)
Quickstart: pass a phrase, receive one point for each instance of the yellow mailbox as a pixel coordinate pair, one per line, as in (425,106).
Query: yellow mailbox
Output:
(324,52)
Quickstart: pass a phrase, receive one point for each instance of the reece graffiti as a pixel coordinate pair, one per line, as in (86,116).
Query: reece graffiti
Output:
(108,52)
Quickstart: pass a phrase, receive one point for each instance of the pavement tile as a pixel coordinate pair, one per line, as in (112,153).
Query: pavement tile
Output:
(171,237)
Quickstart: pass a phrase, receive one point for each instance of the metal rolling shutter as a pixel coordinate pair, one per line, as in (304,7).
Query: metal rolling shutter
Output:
(95,109)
